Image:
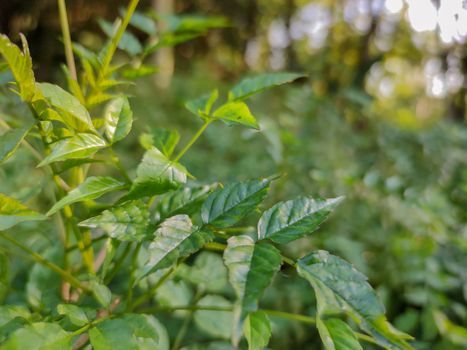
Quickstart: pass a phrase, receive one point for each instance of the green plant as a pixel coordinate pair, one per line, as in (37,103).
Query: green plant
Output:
(154,230)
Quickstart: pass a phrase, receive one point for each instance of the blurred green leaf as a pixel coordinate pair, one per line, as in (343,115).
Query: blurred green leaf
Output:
(12,212)
(10,140)
(215,323)
(39,336)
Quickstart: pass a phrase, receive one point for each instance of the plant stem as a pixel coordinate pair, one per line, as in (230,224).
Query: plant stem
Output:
(192,141)
(67,39)
(43,261)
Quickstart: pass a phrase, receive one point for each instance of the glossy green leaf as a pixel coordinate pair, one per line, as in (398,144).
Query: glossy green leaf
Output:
(78,146)
(186,200)
(339,285)
(20,65)
(101,292)
(202,105)
(214,322)
(156,174)
(75,314)
(9,142)
(294,219)
(236,113)
(128,42)
(93,187)
(39,336)
(12,212)
(118,119)
(337,335)
(226,206)
(126,222)
(163,139)
(176,238)
(257,330)
(259,83)
(69,110)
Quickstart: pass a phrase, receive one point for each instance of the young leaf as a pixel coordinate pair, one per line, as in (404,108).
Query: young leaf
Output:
(12,212)
(39,336)
(202,105)
(214,323)
(70,110)
(75,314)
(20,65)
(163,139)
(339,285)
(291,220)
(175,238)
(118,118)
(156,174)
(337,335)
(10,141)
(126,222)
(257,330)
(259,83)
(236,113)
(225,206)
(92,188)
(78,146)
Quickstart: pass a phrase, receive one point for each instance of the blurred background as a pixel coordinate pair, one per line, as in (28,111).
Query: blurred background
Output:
(381,119)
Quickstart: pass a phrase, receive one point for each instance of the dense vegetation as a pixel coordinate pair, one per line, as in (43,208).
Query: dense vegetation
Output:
(115,234)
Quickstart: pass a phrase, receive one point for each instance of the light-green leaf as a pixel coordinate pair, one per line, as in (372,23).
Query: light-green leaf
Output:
(156,174)
(78,146)
(92,188)
(75,314)
(126,222)
(101,292)
(291,220)
(176,238)
(202,105)
(455,333)
(9,142)
(13,212)
(337,335)
(163,139)
(118,119)
(236,113)
(69,110)
(259,83)
(39,336)
(226,206)
(339,285)
(214,322)
(257,330)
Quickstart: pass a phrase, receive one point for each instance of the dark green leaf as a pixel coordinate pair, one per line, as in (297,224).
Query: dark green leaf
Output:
(118,119)
(257,330)
(126,222)
(259,83)
(337,335)
(9,142)
(236,113)
(175,238)
(291,220)
(339,285)
(12,212)
(226,206)
(39,336)
(93,187)
(156,174)
(78,146)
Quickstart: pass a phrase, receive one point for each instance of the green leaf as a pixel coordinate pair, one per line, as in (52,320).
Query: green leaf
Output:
(171,39)
(129,332)
(69,110)
(194,23)
(118,119)
(9,142)
(4,279)
(75,314)
(102,293)
(139,71)
(291,220)
(139,20)
(126,222)
(39,336)
(128,43)
(337,335)
(214,322)
(93,187)
(202,105)
(338,285)
(13,212)
(259,83)
(156,174)
(163,139)
(455,333)
(226,206)
(176,238)
(186,200)
(257,330)
(78,146)
(236,113)
(20,65)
